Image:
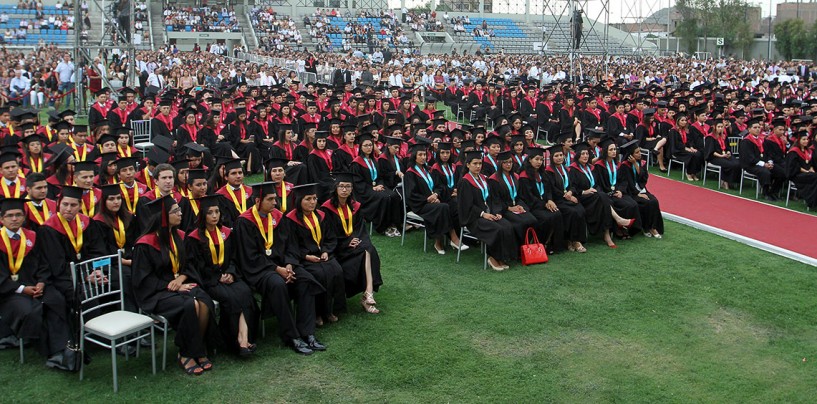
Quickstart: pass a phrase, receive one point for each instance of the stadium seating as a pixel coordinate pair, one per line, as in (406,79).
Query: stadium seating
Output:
(33,36)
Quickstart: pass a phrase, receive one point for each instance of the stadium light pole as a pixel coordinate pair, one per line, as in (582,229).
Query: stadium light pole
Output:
(769,50)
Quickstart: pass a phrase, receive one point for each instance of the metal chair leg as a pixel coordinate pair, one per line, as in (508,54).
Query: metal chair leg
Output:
(113,364)
(22,355)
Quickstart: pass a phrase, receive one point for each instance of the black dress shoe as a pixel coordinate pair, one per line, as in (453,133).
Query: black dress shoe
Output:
(56,362)
(126,350)
(314,344)
(298,345)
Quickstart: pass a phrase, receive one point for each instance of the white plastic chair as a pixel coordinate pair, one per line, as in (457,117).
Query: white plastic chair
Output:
(465,233)
(412,219)
(709,167)
(676,161)
(744,175)
(142,136)
(113,329)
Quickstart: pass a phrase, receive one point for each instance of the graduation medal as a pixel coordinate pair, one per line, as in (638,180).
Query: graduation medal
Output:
(266,234)
(268,251)
(15,263)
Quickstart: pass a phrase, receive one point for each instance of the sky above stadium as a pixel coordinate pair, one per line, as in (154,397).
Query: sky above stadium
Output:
(620,10)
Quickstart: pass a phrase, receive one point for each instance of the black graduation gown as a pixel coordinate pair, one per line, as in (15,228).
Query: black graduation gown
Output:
(625,206)
(58,253)
(235,298)
(750,155)
(353,260)
(328,273)
(535,192)
(382,208)
(229,209)
(566,119)
(634,183)
(448,178)
(693,160)
(498,235)
(502,200)
(648,138)
(436,216)
(342,158)
(319,172)
(152,272)
(111,247)
(388,168)
(730,167)
(489,165)
(598,215)
(572,213)
(247,151)
(44,318)
(259,271)
(806,182)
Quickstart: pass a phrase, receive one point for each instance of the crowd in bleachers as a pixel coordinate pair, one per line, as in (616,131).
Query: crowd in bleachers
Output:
(367,29)
(201,19)
(32,22)
(274,31)
(422,21)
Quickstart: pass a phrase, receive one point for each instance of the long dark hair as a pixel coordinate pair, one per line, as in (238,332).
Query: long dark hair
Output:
(201,222)
(108,216)
(334,198)
(165,233)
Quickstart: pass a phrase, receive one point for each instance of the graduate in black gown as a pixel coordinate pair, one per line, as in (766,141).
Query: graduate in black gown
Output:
(116,226)
(164,285)
(754,160)
(69,237)
(606,173)
(269,264)
(29,304)
(800,168)
(354,251)
(536,192)
(632,177)
(686,147)
(446,172)
(381,205)
(313,243)
(211,254)
(599,213)
(243,141)
(505,200)
(564,195)
(319,165)
(476,214)
(423,197)
(718,152)
(197,185)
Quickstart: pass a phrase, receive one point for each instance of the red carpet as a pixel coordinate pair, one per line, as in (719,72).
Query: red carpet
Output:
(766,223)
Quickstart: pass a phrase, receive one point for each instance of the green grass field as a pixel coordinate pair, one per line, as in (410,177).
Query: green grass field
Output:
(692,317)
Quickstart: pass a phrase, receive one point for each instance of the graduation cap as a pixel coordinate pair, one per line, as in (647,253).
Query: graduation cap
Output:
(648,111)
(232,164)
(70,191)
(468,144)
(276,162)
(457,133)
(9,155)
(80,128)
(473,155)
(105,138)
(505,155)
(206,202)
(517,139)
(21,114)
(160,208)
(107,158)
(194,149)
(127,91)
(264,188)
(124,130)
(343,176)
(157,155)
(628,148)
(594,133)
(754,120)
(127,162)
(110,190)
(36,137)
(391,140)
(85,165)
(563,137)
(196,174)
(778,122)
(535,152)
(364,137)
(8,204)
(63,125)
(181,164)
(103,90)
(444,146)
(162,142)
(27,126)
(301,191)
(492,140)
(581,147)
(66,113)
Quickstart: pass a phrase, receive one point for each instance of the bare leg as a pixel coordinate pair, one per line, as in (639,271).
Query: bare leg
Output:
(661,159)
(454,237)
(619,220)
(203,313)
(368,301)
(608,239)
(243,332)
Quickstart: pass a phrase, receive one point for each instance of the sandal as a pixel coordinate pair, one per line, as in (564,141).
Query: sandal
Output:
(332,318)
(580,249)
(319,321)
(369,307)
(368,297)
(194,370)
(205,364)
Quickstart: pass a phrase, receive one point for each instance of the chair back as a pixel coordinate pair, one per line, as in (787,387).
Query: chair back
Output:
(96,295)
(141,131)
(734,144)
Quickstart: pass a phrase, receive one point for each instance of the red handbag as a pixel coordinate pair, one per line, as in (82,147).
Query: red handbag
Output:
(532,252)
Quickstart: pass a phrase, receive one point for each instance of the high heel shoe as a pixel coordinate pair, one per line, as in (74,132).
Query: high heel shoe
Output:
(626,227)
(440,251)
(495,267)
(368,297)
(369,307)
